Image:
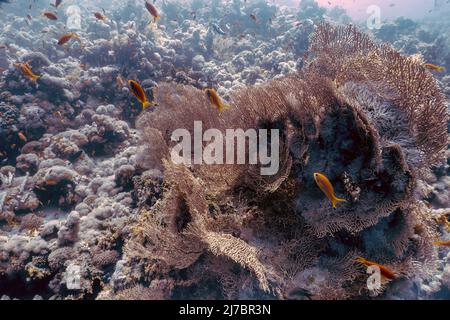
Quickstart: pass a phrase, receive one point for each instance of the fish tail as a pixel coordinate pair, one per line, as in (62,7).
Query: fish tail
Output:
(35,78)
(440,69)
(222,106)
(335,201)
(147,104)
(156,18)
(360,260)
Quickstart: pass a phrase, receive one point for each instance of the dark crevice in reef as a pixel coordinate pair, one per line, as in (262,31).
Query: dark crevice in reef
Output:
(341,147)
(207,287)
(61,195)
(99,148)
(17,286)
(96,288)
(183,217)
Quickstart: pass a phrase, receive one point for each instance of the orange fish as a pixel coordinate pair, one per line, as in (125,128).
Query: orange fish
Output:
(385,271)
(325,185)
(139,93)
(151,8)
(442,243)
(26,70)
(50,15)
(22,137)
(51,182)
(66,37)
(433,67)
(215,100)
(100,16)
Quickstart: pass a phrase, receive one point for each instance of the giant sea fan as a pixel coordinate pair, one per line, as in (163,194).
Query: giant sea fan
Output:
(371,119)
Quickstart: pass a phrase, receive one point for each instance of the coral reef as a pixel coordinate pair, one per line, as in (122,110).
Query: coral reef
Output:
(87,185)
(382,127)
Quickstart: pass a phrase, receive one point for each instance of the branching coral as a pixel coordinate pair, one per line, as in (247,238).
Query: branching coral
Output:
(370,119)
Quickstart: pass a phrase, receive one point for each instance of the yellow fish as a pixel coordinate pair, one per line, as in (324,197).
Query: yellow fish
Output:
(325,185)
(139,93)
(26,70)
(215,99)
(153,11)
(385,271)
(66,37)
(442,243)
(433,67)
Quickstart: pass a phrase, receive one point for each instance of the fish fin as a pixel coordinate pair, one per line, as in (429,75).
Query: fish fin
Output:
(147,104)
(337,200)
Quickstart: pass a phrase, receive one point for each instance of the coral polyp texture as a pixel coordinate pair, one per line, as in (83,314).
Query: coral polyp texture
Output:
(373,121)
(354,119)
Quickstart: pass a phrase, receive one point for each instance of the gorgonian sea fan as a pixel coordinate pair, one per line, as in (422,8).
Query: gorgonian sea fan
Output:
(373,121)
